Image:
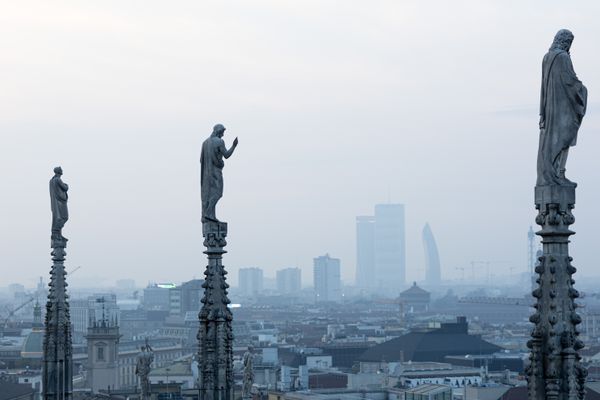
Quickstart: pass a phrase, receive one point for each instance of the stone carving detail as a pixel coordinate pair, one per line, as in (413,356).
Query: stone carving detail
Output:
(554,370)
(215,335)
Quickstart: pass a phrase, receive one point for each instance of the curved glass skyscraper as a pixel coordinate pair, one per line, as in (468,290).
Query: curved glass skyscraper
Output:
(433,275)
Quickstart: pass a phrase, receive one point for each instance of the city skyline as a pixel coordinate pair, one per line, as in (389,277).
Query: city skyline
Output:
(384,102)
(418,244)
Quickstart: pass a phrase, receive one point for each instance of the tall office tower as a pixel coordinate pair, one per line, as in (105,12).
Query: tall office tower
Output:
(289,280)
(365,252)
(251,281)
(327,281)
(433,274)
(191,293)
(156,296)
(186,297)
(390,246)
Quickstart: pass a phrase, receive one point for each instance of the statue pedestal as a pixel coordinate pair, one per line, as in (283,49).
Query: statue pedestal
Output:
(215,335)
(554,371)
(57,364)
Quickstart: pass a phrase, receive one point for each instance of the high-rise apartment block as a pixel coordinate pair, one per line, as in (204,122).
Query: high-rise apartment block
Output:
(327,281)
(251,281)
(289,280)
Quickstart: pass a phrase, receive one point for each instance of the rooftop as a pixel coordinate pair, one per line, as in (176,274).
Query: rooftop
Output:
(14,390)
(430,345)
(429,388)
(414,289)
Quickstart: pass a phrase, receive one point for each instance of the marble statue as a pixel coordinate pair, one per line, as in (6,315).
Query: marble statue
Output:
(211,174)
(248,373)
(562,107)
(143,366)
(58,203)
(554,370)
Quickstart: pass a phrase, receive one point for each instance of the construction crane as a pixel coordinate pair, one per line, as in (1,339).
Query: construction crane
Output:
(463,272)
(76,269)
(13,311)
(486,264)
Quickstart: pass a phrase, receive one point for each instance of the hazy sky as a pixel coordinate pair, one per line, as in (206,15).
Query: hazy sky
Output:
(338,105)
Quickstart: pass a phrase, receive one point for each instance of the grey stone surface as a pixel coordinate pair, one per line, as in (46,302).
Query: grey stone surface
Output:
(58,204)
(562,107)
(143,367)
(57,364)
(554,370)
(215,334)
(211,171)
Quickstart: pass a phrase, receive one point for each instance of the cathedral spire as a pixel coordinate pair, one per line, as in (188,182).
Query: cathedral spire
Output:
(57,375)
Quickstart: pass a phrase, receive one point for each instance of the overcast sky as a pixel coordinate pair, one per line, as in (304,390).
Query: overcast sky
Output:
(338,105)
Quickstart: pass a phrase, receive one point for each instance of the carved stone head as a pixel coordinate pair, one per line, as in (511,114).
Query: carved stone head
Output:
(58,171)
(562,40)
(219,130)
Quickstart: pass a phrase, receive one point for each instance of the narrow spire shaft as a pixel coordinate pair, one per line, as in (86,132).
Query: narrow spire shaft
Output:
(215,335)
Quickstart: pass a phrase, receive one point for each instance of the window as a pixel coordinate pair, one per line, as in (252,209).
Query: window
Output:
(100,354)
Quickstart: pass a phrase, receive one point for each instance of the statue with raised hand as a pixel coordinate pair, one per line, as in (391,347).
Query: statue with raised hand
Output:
(211,171)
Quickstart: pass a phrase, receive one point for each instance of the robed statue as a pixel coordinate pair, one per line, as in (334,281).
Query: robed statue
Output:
(211,171)
(562,107)
(143,366)
(248,381)
(58,203)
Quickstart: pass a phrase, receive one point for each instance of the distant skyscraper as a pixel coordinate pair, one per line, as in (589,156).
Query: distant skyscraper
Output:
(390,246)
(186,297)
(365,252)
(289,280)
(156,296)
(251,281)
(327,281)
(433,274)
(381,248)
